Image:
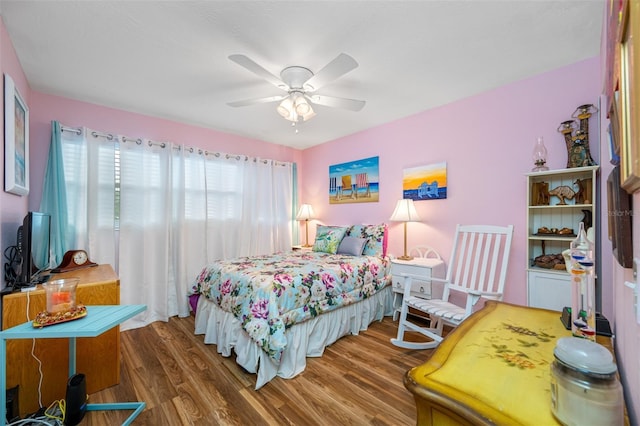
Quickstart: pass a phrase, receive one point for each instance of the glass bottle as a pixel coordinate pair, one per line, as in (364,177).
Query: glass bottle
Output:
(540,156)
(583,314)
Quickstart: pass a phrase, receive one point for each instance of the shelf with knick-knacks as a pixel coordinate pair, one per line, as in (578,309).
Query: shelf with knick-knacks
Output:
(557,201)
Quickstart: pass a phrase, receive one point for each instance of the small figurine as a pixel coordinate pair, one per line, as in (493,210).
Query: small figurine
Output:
(564,193)
(580,192)
(540,194)
(587,219)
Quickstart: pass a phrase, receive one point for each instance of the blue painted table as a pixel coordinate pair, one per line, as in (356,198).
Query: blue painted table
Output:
(98,320)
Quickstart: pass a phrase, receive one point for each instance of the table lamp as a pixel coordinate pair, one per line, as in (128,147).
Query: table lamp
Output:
(305,213)
(405,212)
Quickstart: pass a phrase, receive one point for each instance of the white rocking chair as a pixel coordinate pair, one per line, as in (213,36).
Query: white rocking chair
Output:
(477,267)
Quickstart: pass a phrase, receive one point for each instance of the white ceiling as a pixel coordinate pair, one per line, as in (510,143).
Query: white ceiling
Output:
(169,59)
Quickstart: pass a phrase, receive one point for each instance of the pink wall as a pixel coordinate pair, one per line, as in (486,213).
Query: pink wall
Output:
(627,324)
(486,141)
(75,113)
(627,331)
(12,207)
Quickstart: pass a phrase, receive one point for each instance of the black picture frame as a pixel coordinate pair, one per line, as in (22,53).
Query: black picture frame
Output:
(619,219)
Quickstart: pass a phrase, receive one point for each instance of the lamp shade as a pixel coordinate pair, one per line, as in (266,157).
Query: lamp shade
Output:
(308,115)
(301,105)
(405,211)
(305,212)
(285,109)
(295,107)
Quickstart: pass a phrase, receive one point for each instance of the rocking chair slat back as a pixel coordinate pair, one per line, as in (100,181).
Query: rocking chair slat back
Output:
(480,260)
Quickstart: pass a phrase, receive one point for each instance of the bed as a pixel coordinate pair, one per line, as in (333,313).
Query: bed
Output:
(276,310)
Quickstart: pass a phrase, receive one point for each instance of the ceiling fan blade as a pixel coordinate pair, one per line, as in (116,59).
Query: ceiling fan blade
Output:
(254,101)
(332,101)
(250,65)
(341,65)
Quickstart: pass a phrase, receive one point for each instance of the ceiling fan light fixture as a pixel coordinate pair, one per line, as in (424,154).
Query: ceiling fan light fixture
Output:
(285,109)
(301,105)
(295,108)
(309,115)
(299,83)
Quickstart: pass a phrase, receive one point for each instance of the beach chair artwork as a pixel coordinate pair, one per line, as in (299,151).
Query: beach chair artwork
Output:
(362,185)
(334,188)
(354,182)
(347,188)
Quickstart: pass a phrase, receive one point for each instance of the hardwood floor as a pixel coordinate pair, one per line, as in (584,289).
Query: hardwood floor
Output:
(358,381)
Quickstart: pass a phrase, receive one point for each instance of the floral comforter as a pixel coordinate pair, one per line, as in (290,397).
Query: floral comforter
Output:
(268,294)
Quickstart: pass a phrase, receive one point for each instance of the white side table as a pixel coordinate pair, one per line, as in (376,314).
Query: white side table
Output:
(420,266)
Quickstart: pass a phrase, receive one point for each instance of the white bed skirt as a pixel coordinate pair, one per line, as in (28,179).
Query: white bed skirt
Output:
(307,339)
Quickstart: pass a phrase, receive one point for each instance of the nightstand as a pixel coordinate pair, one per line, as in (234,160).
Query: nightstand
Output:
(421,266)
(300,247)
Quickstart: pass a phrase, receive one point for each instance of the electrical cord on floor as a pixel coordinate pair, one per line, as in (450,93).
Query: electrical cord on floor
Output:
(57,411)
(36,421)
(33,354)
(52,416)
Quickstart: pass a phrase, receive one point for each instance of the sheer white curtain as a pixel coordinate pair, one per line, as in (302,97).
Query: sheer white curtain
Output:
(159,212)
(248,206)
(188,232)
(88,158)
(181,208)
(146,206)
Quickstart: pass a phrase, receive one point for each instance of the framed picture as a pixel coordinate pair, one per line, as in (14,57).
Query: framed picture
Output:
(630,98)
(354,182)
(16,140)
(620,213)
(614,130)
(425,182)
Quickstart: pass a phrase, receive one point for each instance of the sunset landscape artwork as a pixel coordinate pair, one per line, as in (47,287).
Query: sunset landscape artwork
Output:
(425,182)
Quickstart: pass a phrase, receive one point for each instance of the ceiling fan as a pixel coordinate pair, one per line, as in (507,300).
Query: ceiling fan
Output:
(300,83)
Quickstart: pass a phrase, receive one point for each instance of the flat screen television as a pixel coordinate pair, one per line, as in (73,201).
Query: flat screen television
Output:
(34,237)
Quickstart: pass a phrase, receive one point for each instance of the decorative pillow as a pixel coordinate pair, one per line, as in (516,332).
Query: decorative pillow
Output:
(376,236)
(328,238)
(353,246)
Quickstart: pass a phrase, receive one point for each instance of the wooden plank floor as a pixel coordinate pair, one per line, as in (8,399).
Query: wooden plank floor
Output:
(358,381)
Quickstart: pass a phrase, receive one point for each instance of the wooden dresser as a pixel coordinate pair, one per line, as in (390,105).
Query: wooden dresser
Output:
(494,369)
(98,358)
